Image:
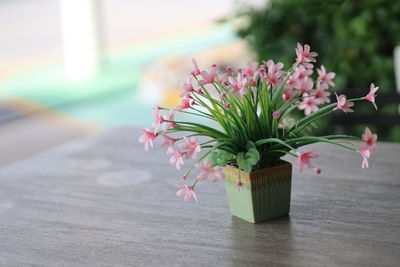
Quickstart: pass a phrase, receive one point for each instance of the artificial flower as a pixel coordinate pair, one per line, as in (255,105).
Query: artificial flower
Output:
(369,140)
(304,56)
(274,74)
(177,157)
(169,121)
(147,138)
(301,72)
(321,95)
(185,103)
(305,85)
(292,82)
(250,73)
(187,87)
(208,171)
(168,141)
(187,192)
(343,105)
(191,146)
(288,94)
(371,95)
(224,79)
(238,85)
(195,70)
(326,78)
(158,119)
(309,104)
(239,183)
(208,77)
(304,159)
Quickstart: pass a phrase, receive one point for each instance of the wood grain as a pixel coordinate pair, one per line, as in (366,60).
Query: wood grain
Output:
(101,201)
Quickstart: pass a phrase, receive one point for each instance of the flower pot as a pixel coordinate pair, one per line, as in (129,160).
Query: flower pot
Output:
(264,195)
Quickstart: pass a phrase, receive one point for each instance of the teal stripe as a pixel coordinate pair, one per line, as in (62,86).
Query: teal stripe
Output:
(110,99)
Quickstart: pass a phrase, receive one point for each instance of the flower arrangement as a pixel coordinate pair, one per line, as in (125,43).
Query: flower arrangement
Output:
(246,114)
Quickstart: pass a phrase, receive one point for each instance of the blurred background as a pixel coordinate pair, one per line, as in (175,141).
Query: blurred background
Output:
(69,68)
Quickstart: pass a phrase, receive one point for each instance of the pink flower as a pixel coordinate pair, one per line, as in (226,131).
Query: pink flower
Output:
(365,154)
(208,171)
(326,78)
(288,94)
(187,192)
(292,82)
(304,55)
(321,96)
(227,105)
(309,104)
(304,159)
(369,140)
(168,141)
(343,105)
(224,79)
(301,72)
(238,85)
(177,157)
(307,65)
(185,103)
(274,74)
(195,70)
(275,114)
(169,118)
(250,72)
(317,170)
(158,119)
(371,95)
(187,87)
(147,138)
(239,183)
(305,85)
(191,146)
(209,77)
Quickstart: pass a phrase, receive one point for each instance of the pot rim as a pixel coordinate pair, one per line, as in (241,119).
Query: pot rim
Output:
(284,165)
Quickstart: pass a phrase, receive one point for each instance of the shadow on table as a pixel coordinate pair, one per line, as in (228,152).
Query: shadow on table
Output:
(270,241)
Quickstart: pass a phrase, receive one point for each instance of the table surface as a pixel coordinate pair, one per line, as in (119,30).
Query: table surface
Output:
(102,201)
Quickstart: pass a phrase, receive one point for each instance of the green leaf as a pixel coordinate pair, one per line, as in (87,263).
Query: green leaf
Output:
(250,144)
(273,140)
(252,156)
(242,163)
(247,160)
(301,141)
(221,157)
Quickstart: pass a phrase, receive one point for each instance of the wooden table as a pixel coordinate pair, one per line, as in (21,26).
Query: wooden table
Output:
(102,201)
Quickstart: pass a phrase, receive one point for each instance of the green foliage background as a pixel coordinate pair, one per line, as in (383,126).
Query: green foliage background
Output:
(355,39)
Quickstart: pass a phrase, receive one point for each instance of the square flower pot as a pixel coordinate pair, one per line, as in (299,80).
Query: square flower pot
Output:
(264,195)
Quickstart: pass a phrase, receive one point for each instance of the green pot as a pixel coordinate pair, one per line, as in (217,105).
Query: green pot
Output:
(264,195)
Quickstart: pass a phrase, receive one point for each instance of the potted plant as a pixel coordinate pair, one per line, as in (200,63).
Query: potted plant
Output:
(246,116)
